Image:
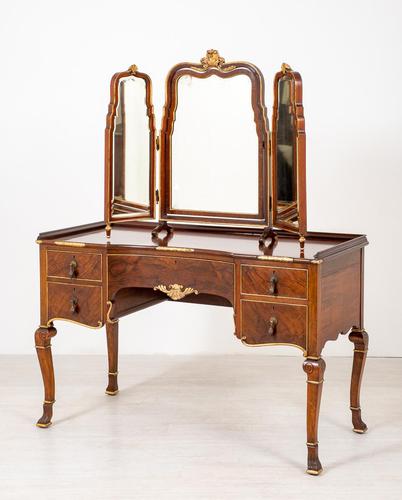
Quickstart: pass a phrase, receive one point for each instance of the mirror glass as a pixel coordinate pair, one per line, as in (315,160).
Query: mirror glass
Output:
(131,149)
(215,146)
(286,162)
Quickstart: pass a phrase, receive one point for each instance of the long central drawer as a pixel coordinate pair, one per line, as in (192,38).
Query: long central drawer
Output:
(205,276)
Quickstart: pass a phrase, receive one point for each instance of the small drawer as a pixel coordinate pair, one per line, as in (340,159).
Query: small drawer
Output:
(274,281)
(79,265)
(80,303)
(270,323)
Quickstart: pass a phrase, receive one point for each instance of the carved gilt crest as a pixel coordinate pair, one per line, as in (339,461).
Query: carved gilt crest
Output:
(212,60)
(285,68)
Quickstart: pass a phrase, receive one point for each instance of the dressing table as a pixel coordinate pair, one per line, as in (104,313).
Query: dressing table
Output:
(225,225)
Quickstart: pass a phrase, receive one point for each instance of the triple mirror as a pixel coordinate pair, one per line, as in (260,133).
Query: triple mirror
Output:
(218,162)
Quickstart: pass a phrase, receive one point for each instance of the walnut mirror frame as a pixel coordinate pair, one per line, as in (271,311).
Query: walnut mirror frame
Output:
(288,174)
(272,210)
(117,208)
(214,65)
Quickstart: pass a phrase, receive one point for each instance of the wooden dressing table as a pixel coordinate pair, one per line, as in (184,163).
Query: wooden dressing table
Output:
(287,286)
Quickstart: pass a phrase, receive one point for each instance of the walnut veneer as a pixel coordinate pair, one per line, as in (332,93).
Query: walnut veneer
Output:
(302,299)
(287,286)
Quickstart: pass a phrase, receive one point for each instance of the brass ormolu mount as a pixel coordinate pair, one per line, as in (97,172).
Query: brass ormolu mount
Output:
(176,291)
(212,59)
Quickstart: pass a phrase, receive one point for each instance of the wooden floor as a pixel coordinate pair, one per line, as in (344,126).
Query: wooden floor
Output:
(225,427)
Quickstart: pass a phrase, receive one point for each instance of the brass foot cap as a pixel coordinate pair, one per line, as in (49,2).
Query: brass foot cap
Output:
(360,431)
(111,393)
(314,472)
(43,426)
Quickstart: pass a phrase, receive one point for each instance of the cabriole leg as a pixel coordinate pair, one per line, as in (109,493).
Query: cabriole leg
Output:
(360,340)
(43,337)
(315,377)
(112,334)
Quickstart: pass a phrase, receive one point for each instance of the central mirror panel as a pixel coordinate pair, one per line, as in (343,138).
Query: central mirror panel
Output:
(214,144)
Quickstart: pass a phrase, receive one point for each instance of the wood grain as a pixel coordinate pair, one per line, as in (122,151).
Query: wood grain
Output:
(315,377)
(43,344)
(360,341)
(112,335)
(208,277)
(88,265)
(89,303)
(340,286)
(289,282)
(291,323)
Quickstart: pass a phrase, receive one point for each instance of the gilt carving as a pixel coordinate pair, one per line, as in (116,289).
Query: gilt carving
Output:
(212,59)
(285,68)
(176,292)
(132,69)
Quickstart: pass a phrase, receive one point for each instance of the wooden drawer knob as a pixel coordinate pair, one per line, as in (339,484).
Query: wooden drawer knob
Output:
(73,272)
(272,325)
(273,284)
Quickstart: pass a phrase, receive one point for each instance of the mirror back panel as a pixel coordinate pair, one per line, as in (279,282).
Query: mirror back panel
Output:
(214,144)
(288,153)
(130,148)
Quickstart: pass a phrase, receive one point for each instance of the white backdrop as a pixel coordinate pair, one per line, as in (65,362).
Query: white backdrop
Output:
(57,60)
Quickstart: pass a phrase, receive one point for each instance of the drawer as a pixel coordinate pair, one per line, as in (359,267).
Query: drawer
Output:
(80,303)
(289,323)
(204,276)
(274,281)
(79,265)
